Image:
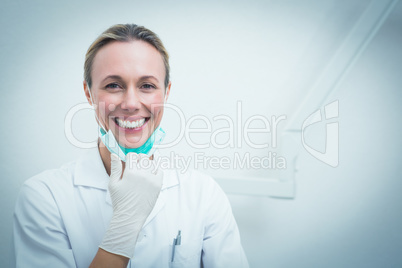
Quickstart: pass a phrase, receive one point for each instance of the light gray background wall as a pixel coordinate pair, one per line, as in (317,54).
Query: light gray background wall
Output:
(266,54)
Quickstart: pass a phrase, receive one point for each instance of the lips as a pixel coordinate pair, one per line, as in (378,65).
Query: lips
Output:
(131,124)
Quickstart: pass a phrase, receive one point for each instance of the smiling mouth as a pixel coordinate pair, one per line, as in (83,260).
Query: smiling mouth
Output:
(131,124)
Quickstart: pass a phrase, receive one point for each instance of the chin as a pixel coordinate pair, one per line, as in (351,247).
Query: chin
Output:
(133,144)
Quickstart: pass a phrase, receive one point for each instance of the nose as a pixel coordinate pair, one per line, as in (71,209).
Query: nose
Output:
(131,100)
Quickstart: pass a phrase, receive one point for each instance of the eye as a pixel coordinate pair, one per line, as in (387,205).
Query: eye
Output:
(113,86)
(148,86)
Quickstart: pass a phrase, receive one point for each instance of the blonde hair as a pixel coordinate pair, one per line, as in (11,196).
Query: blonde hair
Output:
(125,33)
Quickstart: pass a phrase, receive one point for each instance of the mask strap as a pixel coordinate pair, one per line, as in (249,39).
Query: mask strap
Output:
(96,116)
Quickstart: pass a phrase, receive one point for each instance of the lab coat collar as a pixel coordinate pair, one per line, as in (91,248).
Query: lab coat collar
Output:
(169,180)
(90,171)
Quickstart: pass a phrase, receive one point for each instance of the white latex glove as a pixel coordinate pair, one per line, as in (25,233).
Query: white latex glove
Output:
(133,198)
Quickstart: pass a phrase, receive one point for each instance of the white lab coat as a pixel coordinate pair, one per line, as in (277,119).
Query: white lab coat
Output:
(61,217)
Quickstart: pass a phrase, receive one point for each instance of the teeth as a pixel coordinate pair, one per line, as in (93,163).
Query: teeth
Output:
(128,124)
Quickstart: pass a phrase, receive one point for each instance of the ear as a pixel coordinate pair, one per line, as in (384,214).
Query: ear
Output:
(87,93)
(168,91)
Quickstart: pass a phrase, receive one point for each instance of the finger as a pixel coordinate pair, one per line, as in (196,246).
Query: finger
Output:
(115,168)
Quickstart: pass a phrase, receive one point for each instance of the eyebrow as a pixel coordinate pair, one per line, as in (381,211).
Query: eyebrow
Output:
(118,77)
(149,77)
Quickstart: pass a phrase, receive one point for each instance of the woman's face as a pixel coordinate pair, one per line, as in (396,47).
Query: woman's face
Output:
(128,90)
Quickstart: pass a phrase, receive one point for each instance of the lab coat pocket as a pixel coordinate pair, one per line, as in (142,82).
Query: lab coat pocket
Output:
(188,254)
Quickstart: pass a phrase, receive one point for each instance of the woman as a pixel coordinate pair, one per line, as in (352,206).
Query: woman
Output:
(108,210)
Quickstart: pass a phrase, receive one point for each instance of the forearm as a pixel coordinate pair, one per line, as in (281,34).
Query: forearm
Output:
(105,259)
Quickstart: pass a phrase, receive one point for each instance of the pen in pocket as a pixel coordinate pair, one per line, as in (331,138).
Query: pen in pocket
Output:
(176,242)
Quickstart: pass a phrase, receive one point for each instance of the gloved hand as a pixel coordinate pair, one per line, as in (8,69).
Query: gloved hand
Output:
(133,197)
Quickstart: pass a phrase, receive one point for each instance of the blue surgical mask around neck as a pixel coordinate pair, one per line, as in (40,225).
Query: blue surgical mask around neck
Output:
(148,148)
